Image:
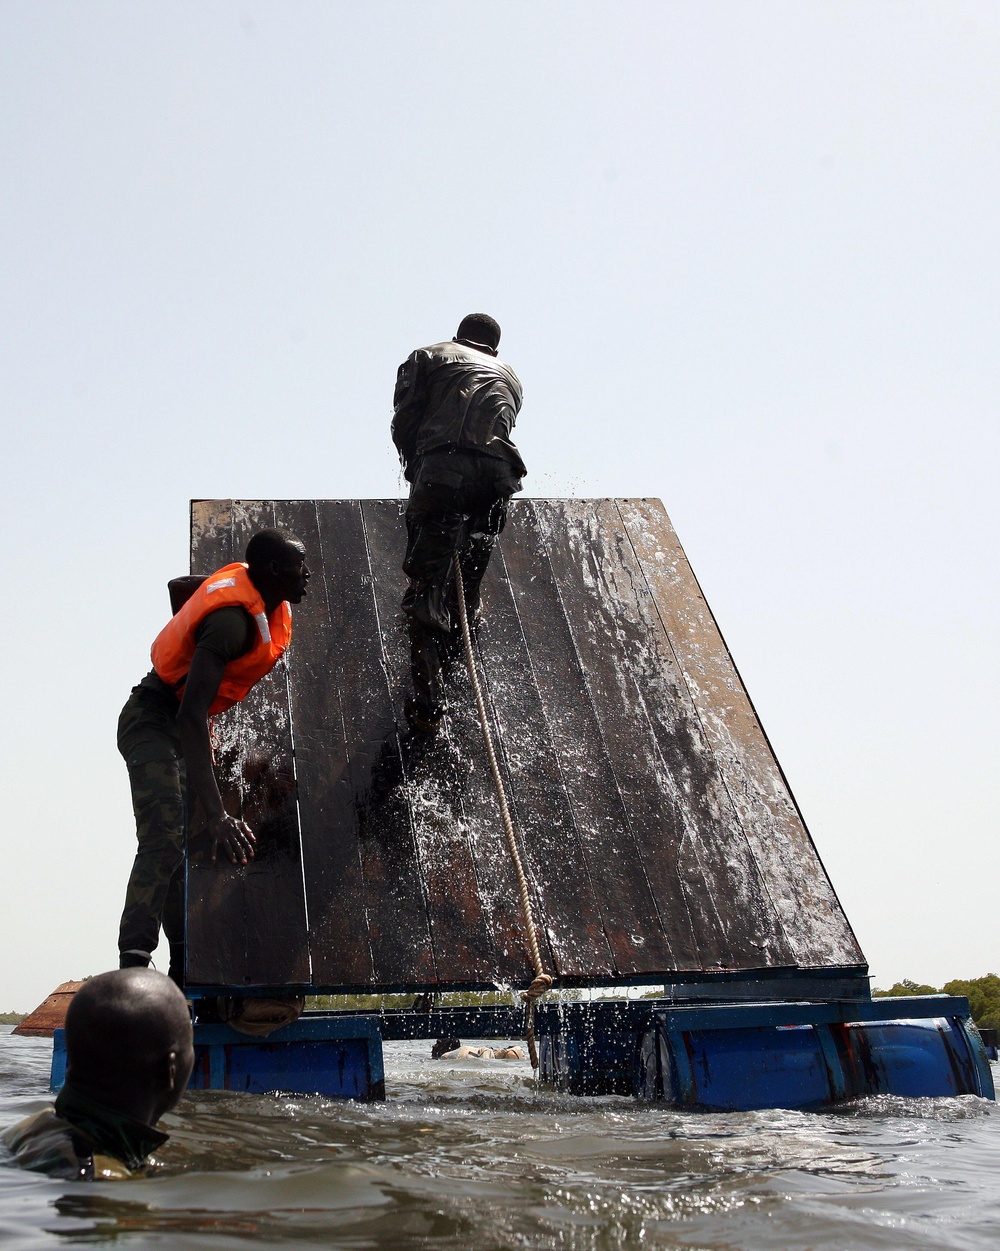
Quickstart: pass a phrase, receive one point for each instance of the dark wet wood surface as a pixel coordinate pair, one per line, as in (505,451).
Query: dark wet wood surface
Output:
(657,831)
(247,923)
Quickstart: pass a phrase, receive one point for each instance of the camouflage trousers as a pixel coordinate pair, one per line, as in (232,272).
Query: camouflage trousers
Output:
(149,740)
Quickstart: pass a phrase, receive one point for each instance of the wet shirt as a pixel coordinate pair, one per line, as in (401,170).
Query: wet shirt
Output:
(456,395)
(227,632)
(80,1140)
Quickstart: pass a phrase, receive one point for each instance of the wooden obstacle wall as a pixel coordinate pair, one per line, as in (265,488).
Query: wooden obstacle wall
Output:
(657,830)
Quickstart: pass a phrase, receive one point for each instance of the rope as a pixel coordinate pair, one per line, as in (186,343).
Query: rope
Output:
(542,981)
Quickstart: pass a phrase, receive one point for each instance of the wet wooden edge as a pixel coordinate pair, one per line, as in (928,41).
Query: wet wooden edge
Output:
(790,865)
(610,853)
(739,927)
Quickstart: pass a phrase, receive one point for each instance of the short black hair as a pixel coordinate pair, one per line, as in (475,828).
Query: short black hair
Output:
(443,1046)
(480,328)
(268,545)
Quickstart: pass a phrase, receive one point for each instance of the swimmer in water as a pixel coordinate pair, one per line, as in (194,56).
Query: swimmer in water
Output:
(129,1055)
(452,1049)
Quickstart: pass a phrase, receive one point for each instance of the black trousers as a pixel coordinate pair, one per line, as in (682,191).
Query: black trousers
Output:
(457,507)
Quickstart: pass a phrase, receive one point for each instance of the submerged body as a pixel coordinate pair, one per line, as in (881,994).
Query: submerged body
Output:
(79,1140)
(129,1057)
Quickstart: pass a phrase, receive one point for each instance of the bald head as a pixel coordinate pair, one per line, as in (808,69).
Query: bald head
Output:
(129,1042)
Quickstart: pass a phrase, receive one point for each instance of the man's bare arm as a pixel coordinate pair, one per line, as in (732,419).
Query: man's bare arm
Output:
(233,835)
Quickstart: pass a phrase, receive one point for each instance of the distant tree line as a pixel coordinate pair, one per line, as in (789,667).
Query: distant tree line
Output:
(12,1018)
(983,994)
(388,1001)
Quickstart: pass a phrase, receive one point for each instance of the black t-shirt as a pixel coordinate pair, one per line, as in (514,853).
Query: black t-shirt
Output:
(227,632)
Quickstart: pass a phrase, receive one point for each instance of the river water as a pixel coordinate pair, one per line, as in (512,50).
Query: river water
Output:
(472,1154)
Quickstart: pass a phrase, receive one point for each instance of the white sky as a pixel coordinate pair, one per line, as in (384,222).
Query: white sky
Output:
(746,260)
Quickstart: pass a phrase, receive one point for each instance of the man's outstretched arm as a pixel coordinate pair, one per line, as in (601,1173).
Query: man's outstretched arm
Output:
(233,835)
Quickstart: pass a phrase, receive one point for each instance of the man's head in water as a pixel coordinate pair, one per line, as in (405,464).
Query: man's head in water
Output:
(480,330)
(277,561)
(129,1043)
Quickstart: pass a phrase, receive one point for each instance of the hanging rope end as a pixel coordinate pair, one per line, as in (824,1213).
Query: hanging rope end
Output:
(529,997)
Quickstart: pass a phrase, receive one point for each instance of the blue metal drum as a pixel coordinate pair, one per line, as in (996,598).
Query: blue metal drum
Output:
(739,1057)
(337,1056)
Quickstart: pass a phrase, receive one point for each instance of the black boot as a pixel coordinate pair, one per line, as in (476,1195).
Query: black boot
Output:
(134,959)
(176,969)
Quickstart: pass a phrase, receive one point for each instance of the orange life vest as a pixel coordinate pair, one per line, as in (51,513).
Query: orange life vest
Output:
(173,648)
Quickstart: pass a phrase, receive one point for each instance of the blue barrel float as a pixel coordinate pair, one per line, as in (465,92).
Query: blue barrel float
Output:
(739,1057)
(339,1056)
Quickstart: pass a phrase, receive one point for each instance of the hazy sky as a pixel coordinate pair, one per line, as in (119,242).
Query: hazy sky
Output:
(746,260)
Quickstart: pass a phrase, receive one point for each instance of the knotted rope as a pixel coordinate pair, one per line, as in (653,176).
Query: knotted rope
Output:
(543,980)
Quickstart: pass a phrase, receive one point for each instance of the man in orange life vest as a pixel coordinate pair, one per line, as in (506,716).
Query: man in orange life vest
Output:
(219,643)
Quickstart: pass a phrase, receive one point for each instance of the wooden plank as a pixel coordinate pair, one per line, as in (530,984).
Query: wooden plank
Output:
(735,925)
(484,824)
(435,772)
(801,893)
(255,764)
(723,862)
(277,930)
(603,640)
(608,849)
(550,846)
(335,888)
(216,947)
(375,802)
(277,950)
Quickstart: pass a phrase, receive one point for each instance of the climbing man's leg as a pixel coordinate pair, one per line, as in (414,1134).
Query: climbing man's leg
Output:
(430,655)
(485,526)
(435,530)
(173,924)
(151,747)
(433,537)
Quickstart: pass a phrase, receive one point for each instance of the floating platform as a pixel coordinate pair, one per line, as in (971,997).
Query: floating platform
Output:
(718,1057)
(660,839)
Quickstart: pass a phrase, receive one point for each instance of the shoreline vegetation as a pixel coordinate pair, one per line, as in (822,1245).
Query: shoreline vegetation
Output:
(983,994)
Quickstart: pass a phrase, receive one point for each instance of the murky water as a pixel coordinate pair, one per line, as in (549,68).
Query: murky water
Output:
(473,1155)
